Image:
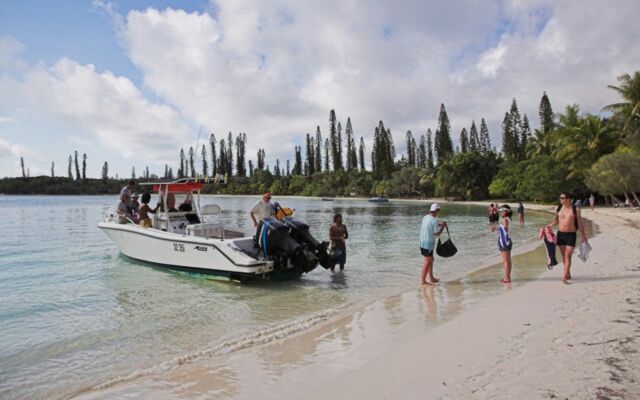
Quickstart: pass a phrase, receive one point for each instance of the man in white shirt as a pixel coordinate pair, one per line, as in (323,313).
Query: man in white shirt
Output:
(262,209)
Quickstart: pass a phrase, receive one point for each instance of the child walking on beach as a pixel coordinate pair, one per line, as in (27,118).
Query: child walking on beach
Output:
(504,241)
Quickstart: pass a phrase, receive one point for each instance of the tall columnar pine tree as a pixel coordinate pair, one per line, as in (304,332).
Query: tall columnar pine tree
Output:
(327,146)
(361,153)
(250,168)
(84,166)
(166,171)
(525,135)
(318,149)
(260,165)
(230,154)
(354,154)
(509,146)
(105,171)
(181,170)
(288,168)
(430,162)
(222,158)
(545,112)
(170,173)
(205,163)
(297,167)
(411,149)
(214,155)
(133,172)
(464,141)
(340,165)
(52,167)
(276,169)
(24,174)
(310,154)
(146,172)
(241,142)
(485,139)
(75,160)
(443,145)
(192,162)
(422,152)
(474,138)
(70,170)
(349,133)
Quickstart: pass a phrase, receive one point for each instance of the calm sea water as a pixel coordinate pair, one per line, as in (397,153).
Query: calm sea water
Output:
(75,314)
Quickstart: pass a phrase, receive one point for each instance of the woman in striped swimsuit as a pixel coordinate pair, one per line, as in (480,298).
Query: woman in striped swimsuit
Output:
(504,241)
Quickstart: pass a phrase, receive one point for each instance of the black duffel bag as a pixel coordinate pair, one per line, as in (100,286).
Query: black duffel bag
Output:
(446,248)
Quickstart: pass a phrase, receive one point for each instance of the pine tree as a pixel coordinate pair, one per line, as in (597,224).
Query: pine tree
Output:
(422,152)
(166,171)
(349,132)
(170,173)
(70,171)
(288,169)
(277,168)
(297,167)
(474,138)
(146,172)
(105,171)
(250,168)
(84,166)
(133,172)
(509,148)
(24,174)
(205,166)
(260,164)
(229,155)
(412,157)
(430,161)
(310,153)
(464,141)
(222,159)
(443,145)
(191,169)
(52,169)
(326,154)
(485,139)
(318,148)
(361,151)
(333,137)
(77,166)
(545,112)
(525,134)
(214,156)
(340,166)
(241,141)
(181,170)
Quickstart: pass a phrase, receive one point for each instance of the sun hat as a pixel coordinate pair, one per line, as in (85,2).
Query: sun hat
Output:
(504,207)
(434,207)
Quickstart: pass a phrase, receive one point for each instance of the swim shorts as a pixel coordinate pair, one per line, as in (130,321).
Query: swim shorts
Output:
(426,253)
(505,248)
(566,239)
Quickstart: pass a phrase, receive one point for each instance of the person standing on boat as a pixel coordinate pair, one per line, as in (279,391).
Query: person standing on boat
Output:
(428,233)
(337,235)
(124,206)
(262,209)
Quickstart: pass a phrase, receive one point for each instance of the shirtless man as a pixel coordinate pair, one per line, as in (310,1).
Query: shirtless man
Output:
(568,223)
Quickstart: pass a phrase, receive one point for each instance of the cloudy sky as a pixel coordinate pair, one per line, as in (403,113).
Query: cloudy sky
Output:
(132,82)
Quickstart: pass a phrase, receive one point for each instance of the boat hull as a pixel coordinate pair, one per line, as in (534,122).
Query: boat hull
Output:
(218,257)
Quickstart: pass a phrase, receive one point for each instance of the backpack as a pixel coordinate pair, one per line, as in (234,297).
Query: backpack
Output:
(575,214)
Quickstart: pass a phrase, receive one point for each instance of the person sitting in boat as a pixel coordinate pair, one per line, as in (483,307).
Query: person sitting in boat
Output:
(186,204)
(143,213)
(262,209)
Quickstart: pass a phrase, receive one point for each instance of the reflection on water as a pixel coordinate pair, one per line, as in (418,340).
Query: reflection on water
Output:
(75,314)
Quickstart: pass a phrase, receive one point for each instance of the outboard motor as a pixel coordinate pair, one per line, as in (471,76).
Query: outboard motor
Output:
(300,232)
(275,243)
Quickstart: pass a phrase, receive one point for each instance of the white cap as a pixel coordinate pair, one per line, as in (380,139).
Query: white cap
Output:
(434,207)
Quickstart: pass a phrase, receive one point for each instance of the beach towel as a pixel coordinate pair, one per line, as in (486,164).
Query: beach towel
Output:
(546,234)
(584,250)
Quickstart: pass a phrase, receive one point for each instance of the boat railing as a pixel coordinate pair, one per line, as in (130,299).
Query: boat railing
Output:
(112,214)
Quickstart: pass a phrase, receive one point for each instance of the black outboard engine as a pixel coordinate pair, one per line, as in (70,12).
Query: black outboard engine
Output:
(300,232)
(276,243)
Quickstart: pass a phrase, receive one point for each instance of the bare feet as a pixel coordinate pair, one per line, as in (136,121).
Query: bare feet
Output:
(505,280)
(424,284)
(569,277)
(434,280)
(565,281)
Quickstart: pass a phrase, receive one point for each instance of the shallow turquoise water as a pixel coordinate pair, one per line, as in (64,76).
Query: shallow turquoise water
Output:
(75,314)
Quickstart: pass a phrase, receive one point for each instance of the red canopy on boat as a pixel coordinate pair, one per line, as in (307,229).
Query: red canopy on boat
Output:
(186,187)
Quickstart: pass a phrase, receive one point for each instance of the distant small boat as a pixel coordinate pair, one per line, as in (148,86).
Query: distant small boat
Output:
(378,199)
(327,198)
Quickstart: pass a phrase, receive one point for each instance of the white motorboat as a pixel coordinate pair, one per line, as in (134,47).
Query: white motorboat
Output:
(194,238)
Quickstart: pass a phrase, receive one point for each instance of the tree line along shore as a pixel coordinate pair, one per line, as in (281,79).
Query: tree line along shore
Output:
(569,151)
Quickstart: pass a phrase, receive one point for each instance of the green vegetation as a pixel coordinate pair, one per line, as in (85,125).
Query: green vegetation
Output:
(570,151)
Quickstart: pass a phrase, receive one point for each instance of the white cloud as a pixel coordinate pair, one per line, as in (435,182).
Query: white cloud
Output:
(11,150)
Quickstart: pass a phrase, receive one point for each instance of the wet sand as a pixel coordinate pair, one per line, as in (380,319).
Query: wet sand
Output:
(470,338)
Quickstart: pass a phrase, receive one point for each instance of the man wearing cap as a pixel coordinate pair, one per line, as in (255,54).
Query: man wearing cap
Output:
(428,233)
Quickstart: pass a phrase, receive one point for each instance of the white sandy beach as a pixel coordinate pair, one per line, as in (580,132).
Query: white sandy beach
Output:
(535,339)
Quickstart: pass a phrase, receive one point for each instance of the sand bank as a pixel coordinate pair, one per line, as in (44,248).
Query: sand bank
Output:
(536,338)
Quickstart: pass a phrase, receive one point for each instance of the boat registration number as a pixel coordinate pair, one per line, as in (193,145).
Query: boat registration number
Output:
(179,247)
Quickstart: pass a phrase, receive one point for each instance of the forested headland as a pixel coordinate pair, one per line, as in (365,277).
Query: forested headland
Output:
(567,151)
